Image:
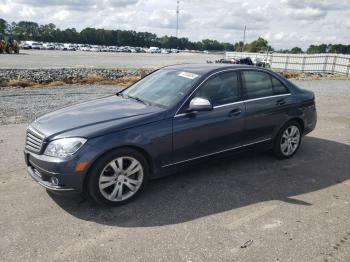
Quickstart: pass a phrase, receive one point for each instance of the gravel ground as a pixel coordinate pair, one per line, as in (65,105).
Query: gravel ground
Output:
(20,105)
(38,59)
(51,75)
(292,210)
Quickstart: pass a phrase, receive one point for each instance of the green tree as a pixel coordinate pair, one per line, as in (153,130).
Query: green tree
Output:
(26,30)
(317,49)
(296,50)
(3,26)
(258,45)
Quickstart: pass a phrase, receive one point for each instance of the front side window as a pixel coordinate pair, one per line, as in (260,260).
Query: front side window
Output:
(163,88)
(220,89)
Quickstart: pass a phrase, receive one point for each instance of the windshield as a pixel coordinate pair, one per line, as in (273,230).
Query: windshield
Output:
(162,88)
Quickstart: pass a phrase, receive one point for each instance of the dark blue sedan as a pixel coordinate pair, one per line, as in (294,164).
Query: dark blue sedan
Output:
(110,147)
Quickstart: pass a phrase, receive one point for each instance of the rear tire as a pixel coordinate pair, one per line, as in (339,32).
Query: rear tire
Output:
(288,140)
(118,177)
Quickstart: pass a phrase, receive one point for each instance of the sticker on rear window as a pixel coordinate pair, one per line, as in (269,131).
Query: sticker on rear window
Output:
(188,75)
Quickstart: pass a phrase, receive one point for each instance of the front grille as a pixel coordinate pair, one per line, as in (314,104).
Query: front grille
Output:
(34,141)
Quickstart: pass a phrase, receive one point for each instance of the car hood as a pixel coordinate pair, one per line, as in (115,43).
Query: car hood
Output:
(96,117)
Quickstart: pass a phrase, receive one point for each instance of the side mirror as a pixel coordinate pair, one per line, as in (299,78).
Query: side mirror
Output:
(200,104)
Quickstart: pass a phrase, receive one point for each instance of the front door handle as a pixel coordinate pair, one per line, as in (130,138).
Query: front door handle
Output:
(235,112)
(280,102)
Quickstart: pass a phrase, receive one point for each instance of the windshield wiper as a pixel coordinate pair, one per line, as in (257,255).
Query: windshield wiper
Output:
(120,94)
(138,100)
(134,98)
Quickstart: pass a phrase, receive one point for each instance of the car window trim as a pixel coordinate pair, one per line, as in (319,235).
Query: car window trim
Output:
(240,102)
(265,97)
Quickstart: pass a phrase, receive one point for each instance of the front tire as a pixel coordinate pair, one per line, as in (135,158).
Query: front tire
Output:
(288,140)
(118,177)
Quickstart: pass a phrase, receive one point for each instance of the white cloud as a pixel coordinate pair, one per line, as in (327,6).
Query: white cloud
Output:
(167,19)
(61,15)
(285,23)
(318,4)
(306,13)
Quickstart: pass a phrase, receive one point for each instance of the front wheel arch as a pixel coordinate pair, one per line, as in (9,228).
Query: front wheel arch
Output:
(145,154)
(89,187)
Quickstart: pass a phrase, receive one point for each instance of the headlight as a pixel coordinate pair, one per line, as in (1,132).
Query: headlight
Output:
(64,147)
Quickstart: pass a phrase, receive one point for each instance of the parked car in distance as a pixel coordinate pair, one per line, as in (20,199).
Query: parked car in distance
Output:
(48,46)
(154,49)
(37,46)
(110,147)
(262,62)
(69,47)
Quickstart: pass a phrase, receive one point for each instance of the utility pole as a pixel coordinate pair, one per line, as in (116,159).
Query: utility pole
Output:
(177,18)
(245,28)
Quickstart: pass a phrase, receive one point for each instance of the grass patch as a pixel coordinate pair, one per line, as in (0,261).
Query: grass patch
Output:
(292,74)
(19,83)
(313,76)
(98,79)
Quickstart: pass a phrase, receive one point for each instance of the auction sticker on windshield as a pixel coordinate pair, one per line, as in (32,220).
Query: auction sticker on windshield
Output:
(188,75)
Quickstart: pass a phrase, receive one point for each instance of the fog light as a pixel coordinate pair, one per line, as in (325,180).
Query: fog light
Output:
(54,181)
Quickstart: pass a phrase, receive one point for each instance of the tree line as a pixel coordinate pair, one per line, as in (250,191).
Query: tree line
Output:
(28,30)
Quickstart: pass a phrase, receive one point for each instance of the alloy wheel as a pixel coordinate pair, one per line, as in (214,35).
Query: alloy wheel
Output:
(290,140)
(121,178)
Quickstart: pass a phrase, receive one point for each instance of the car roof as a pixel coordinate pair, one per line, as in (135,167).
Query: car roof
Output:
(205,68)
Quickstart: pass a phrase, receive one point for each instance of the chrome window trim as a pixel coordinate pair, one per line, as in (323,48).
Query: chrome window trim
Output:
(239,102)
(218,152)
(229,104)
(265,97)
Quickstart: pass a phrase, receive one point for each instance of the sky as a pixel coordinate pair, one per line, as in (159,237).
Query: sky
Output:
(284,23)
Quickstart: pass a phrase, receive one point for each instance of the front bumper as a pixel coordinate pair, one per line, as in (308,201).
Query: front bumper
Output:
(38,177)
(42,169)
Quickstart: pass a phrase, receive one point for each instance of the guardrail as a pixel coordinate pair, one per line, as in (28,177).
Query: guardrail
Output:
(323,63)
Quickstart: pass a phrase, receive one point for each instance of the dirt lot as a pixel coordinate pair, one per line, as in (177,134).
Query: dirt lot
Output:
(60,59)
(292,210)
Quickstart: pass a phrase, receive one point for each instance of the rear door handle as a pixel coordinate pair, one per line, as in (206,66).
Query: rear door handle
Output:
(280,102)
(235,112)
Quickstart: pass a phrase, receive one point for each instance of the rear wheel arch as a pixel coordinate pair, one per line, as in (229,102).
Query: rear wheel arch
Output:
(296,119)
(300,122)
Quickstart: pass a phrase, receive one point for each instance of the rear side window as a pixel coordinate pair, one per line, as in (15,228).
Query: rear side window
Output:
(221,89)
(278,87)
(258,84)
